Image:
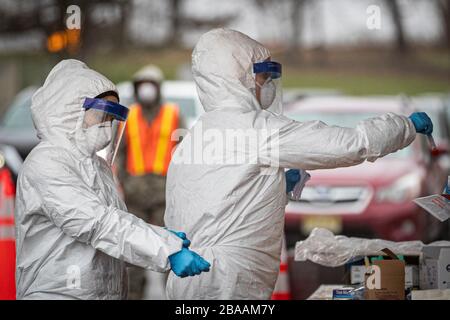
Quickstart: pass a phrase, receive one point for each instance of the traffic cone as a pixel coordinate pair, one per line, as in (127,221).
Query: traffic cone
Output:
(7,238)
(282,289)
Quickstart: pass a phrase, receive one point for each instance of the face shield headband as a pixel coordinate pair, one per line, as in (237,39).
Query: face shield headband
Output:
(118,111)
(271,67)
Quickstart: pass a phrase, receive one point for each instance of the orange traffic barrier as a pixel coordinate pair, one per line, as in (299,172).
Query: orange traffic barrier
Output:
(282,289)
(7,238)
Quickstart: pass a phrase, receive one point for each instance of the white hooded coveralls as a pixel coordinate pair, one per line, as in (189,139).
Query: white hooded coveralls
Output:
(74,235)
(234,213)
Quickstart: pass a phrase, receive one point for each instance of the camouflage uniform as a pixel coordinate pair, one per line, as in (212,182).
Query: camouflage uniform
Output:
(145,197)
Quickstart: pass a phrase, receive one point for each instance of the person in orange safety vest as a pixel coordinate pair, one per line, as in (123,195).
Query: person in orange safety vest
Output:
(144,156)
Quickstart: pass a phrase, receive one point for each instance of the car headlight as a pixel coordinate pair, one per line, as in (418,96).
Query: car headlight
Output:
(404,188)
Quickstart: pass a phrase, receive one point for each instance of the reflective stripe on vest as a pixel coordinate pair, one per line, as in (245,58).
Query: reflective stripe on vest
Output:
(149,145)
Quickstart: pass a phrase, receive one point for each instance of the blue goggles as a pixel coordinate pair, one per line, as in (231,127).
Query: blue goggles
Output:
(272,67)
(117,110)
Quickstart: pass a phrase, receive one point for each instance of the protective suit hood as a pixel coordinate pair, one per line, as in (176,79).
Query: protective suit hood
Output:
(57,106)
(222,64)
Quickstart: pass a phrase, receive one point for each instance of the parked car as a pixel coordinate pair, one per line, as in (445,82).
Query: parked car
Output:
(183,93)
(371,200)
(16,125)
(447,108)
(292,95)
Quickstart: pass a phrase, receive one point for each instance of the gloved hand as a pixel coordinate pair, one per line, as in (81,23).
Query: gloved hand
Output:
(292,177)
(182,235)
(187,263)
(422,122)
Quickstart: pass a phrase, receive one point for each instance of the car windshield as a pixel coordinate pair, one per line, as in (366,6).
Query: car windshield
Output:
(18,115)
(187,105)
(342,119)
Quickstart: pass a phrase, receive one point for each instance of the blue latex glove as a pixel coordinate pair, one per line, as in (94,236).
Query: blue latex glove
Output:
(292,177)
(422,122)
(187,263)
(182,236)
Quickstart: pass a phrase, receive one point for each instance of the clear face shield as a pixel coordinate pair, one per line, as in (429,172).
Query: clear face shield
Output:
(268,88)
(103,127)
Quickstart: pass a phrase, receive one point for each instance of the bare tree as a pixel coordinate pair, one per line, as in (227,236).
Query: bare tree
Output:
(295,16)
(180,23)
(444,10)
(400,40)
(36,17)
(296,20)
(175,22)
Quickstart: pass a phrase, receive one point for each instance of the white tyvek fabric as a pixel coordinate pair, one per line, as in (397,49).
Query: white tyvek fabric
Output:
(73,232)
(234,214)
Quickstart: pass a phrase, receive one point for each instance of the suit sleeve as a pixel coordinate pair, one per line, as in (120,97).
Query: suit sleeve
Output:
(315,145)
(79,212)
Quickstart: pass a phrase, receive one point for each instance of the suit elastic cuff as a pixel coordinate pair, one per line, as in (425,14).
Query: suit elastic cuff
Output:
(174,244)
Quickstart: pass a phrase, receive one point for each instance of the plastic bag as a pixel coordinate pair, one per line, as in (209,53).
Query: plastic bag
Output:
(324,248)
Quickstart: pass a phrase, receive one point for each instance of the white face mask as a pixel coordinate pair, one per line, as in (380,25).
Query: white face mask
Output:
(98,136)
(147,92)
(267,93)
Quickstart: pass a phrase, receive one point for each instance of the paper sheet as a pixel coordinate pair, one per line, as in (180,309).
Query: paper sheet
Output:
(436,205)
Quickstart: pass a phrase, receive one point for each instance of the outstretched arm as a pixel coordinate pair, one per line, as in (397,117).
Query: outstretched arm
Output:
(315,145)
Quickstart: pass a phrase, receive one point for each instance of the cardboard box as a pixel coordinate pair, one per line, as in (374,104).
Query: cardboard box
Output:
(435,268)
(357,275)
(385,279)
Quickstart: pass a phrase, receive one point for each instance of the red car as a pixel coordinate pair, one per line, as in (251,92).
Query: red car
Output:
(370,200)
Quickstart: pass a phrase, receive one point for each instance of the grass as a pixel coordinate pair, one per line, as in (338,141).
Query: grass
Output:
(357,80)
(122,67)
(439,59)
(366,84)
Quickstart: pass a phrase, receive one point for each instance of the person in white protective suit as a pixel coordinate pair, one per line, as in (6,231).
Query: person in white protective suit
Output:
(73,233)
(234,212)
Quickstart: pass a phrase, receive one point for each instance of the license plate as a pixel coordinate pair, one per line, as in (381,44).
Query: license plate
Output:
(332,223)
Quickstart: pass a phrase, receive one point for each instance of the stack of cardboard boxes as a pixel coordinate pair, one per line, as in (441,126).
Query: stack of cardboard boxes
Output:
(387,276)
